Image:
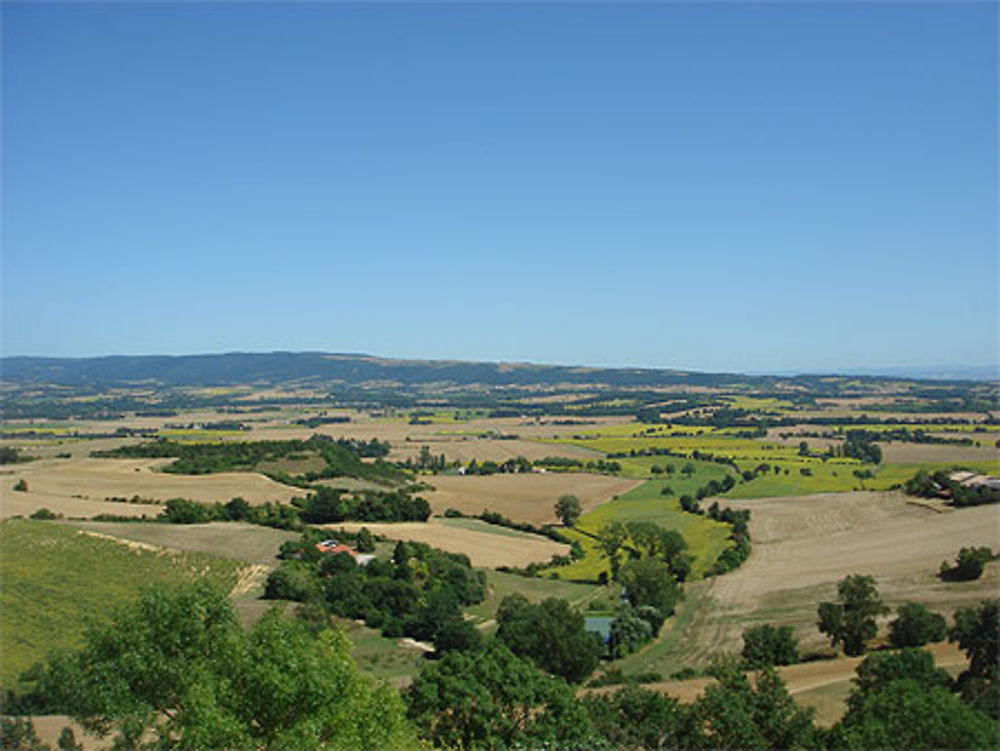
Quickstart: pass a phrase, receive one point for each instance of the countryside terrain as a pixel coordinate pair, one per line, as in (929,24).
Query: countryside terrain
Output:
(121,473)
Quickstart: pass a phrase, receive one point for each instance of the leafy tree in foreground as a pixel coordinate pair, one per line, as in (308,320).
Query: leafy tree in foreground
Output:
(977,631)
(916,626)
(851,621)
(733,713)
(175,667)
(766,645)
(905,714)
(551,634)
(568,509)
(489,698)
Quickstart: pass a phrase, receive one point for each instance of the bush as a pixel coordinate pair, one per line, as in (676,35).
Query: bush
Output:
(968,566)
(915,626)
(767,645)
(44,513)
(21,486)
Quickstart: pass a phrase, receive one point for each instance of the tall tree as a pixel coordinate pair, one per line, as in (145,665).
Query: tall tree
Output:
(851,620)
(568,509)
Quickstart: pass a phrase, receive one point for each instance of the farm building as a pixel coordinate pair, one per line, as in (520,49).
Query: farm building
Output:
(332,547)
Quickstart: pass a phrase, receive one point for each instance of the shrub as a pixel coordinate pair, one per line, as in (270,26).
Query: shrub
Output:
(915,626)
(767,645)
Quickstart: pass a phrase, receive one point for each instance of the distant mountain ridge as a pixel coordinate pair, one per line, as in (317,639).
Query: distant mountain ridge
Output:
(277,367)
(232,368)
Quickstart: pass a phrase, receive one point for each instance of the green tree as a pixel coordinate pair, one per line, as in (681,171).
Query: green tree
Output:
(977,632)
(611,540)
(647,581)
(916,626)
(366,541)
(21,485)
(851,621)
(968,566)
(767,645)
(175,667)
(904,714)
(489,698)
(551,634)
(568,509)
(735,714)
(18,734)
(628,633)
(634,718)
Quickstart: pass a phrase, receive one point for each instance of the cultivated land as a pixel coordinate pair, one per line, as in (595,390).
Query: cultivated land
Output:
(486,545)
(103,479)
(528,497)
(814,519)
(234,540)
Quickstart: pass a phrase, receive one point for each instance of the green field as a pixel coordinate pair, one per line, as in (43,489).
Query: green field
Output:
(705,538)
(56,579)
(536,589)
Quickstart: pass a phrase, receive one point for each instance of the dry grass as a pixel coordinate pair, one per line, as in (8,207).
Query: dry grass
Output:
(523,497)
(915,453)
(487,546)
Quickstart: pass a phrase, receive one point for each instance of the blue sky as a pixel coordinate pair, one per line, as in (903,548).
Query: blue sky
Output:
(741,187)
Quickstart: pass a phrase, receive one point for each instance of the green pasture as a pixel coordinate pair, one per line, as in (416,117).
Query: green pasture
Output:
(56,580)
(705,538)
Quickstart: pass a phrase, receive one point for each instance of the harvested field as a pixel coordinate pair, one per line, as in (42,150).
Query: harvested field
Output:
(237,540)
(25,504)
(916,453)
(523,497)
(803,546)
(486,545)
(466,448)
(100,479)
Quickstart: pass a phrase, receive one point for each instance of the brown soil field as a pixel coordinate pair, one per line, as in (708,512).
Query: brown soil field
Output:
(803,546)
(523,497)
(486,548)
(915,453)
(98,479)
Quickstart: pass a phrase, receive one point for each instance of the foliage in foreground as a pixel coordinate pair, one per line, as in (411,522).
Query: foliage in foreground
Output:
(177,669)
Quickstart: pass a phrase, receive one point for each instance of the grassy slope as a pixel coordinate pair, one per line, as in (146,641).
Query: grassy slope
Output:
(55,579)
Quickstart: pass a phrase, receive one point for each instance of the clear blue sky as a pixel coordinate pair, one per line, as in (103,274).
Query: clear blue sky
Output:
(742,187)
